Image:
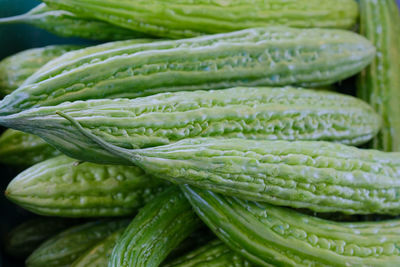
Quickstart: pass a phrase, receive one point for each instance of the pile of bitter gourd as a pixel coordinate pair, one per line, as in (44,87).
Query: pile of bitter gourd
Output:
(219,140)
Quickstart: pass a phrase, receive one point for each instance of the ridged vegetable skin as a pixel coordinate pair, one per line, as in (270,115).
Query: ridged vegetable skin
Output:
(99,254)
(23,239)
(187,18)
(67,24)
(16,68)
(249,113)
(272,56)
(274,236)
(65,247)
(322,176)
(62,186)
(22,149)
(379,83)
(215,254)
(158,228)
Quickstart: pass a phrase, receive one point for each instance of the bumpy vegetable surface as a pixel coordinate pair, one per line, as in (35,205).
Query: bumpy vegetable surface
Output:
(16,68)
(379,84)
(157,229)
(321,176)
(22,240)
(274,236)
(99,255)
(250,113)
(23,149)
(67,24)
(67,246)
(215,254)
(254,57)
(186,18)
(62,186)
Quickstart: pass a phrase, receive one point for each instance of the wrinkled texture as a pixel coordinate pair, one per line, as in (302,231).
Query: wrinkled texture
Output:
(274,236)
(65,247)
(273,56)
(379,83)
(16,68)
(22,149)
(215,254)
(67,24)
(64,187)
(158,228)
(23,239)
(249,113)
(187,18)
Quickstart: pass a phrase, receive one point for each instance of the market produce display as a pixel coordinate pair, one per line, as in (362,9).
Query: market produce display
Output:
(206,133)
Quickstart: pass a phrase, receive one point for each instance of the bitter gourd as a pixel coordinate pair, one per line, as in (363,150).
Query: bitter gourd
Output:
(67,24)
(22,149)
(16,68)
(321,176)
(213,254)
(274,236)
(61,186)
(157,229)
(187,18)
(272,56)
(64,248)
(250,113)
(379,84)
(99,255)
(22,240)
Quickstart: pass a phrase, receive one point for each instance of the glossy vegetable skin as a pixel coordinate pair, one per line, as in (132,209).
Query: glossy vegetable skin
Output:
(185,18)
(64,187)
(158,228)
(250,113)
(273,236)
(273,56)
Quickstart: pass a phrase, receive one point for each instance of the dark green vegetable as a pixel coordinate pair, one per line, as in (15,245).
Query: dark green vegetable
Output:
(61,186)
(273,56)
(65,247)
(22,240)
(379,83)
(67,24)
(274,236)
(23,149)
(99,255)
(187,18)
(16,68)
(158,228)
(214,254)
(322,176)
(261,113)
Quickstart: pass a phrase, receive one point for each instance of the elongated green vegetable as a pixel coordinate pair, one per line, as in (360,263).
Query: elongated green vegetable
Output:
(22,240)
(62,186)
(16,68)
(65,247)
(254,57)
(23,149)
(158,228)
(275,236)
(99,255)
(186,18)
(321,176)
(67,24)
(213,254)
(379,84)
(249,113)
